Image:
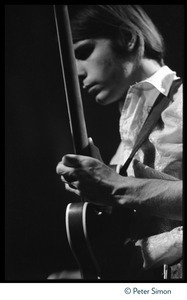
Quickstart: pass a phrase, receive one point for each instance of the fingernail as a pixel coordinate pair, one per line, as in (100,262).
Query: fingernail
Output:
(90,140)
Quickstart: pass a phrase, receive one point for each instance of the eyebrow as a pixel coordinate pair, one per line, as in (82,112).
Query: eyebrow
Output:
(79,44)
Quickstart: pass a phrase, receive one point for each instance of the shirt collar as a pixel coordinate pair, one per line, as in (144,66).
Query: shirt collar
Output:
(161,80)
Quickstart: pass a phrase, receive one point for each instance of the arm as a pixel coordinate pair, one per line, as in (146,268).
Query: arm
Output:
(164,248)
(101,185)
(156,197)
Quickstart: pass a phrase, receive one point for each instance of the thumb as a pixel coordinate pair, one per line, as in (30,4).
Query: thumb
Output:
(94,150)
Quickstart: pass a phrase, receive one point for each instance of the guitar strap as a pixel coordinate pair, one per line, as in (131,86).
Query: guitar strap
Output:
(160,104)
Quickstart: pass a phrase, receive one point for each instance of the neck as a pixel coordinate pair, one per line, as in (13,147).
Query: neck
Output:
(146,68)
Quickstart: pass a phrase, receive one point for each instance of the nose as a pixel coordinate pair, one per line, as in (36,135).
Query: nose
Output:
(81,70)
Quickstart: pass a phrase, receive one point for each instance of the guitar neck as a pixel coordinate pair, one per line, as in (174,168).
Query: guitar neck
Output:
(71,82)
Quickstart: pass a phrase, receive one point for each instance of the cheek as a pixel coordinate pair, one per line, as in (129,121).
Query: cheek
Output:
(102,64)
(114,76)
(108,71)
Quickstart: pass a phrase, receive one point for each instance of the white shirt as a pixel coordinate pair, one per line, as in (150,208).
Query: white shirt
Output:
(167,148)
(140,98)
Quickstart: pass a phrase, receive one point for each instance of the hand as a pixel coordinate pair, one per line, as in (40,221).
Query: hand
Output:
(88,177)
(97,183)
(94,150)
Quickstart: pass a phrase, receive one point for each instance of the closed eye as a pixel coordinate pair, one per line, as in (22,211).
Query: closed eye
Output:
(82,52)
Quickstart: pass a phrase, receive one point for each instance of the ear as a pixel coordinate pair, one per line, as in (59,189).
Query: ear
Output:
(132,42)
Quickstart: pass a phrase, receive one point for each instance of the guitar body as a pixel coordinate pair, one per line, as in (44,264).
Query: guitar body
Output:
(96,238)
(77,216)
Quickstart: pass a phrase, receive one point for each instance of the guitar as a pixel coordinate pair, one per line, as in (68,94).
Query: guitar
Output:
(100,238)
(75,212)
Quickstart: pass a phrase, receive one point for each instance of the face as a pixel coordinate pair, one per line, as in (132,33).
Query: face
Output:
(104,76)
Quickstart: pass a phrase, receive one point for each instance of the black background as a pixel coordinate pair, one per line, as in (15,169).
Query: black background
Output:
(37,135)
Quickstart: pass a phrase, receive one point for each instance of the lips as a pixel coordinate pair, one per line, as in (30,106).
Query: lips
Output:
(92,88)
(87,86)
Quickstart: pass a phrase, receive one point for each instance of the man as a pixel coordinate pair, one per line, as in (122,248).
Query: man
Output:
(120,58)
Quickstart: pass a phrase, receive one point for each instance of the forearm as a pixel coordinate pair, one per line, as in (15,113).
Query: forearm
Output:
(101,185)
(150,196)
(164,248)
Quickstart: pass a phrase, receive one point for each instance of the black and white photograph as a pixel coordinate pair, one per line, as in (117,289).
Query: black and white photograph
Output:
(94,146)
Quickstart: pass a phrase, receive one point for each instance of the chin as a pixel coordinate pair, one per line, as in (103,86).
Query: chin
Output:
(103,99)
(101,102)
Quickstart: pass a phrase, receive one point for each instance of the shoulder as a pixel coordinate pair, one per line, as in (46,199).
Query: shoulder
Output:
(175,108)
(178,96)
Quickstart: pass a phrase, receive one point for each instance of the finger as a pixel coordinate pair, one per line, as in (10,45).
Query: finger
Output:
(63,179)
(90,140)
(73,160)
(77,161)
(73,185)
(67,173)
(61,169)
(94,150)
(72,190)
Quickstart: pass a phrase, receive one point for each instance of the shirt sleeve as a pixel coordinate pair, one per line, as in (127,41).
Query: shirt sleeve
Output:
(164,248)
(169,140)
